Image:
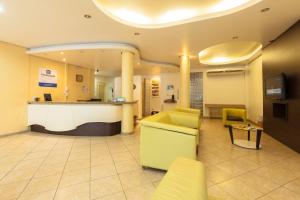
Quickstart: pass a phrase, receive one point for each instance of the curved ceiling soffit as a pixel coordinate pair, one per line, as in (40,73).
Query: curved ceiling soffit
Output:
(225,7)
(230,60)
(100,45)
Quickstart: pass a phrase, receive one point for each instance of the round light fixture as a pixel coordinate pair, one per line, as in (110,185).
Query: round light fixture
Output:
(87,16)
(230,53)
(265,10)
(158,14)
(2,9)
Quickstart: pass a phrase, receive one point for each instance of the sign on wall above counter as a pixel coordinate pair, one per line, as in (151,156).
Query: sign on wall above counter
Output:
(47,77)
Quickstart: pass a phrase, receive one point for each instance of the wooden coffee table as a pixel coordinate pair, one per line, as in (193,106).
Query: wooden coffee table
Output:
(249,129)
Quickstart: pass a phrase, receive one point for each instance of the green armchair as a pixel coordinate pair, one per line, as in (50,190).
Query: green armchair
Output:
(166,136)
(233,116)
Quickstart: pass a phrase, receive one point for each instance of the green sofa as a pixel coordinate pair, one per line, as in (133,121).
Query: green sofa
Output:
(229,114)
(185,180)
(166,136)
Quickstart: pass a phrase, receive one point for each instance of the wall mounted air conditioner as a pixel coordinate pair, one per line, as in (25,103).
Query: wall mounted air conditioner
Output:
(225,71)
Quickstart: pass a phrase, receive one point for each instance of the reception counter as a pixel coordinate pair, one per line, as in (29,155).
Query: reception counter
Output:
(76,118)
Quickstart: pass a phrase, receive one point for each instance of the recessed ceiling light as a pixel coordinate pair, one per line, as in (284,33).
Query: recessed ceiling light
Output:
(87,16)
(137,33)
(64,59)
(62,53)
(265,10)
(235,37)
(1,9)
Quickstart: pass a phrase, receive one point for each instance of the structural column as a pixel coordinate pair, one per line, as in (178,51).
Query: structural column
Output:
(184,81)
(127,92)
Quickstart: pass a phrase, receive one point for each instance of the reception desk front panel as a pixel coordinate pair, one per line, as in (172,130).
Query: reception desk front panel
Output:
(75,118)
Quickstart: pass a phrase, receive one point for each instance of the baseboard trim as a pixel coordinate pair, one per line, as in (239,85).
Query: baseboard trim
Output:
(14,133)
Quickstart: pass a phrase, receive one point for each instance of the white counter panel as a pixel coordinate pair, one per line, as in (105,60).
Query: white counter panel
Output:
(66,117)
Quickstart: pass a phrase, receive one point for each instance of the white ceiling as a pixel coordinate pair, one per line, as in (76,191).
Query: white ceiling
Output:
(155,14)
(107,61)
(34,23)
(234,52)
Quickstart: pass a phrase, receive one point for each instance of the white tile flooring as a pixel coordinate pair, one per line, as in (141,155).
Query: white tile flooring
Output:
(42,167)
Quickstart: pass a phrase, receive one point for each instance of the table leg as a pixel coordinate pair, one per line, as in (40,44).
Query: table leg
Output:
(249,135)
(231,134)
(258,136)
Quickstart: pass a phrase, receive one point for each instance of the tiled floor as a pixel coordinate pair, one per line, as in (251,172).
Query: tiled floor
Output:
(43,167)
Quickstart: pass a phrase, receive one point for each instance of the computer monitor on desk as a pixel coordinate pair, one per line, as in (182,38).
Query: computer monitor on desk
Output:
(47,97)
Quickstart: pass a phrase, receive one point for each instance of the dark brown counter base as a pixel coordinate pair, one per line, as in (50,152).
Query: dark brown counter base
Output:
(88,129)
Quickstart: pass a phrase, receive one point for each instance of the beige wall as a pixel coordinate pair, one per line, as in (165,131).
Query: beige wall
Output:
(19,84)
(169,79)
(14,77)
(223,89)
(35,90)
(79,90)
(254,88)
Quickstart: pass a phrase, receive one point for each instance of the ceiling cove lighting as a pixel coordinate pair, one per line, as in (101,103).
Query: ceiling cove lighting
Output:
(158,14)
(230,53)
(2,10)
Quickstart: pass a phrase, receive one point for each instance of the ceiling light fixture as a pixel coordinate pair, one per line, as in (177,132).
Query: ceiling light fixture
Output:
(64,59)
(62,53)
(265,10)
(165,13)
(229,53)
(227,5)
(87,16)
(132,16)
(176,15)
(1,9)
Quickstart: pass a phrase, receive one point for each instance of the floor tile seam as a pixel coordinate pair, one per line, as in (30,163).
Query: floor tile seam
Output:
(116,170)
(107,195)
(298,193)
(36,171)
(18,163)
(137,162)
(237,176)
(279,185)
(57,187)
(266,194)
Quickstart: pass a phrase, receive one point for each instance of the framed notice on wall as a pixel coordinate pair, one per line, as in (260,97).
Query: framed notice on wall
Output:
(47,77)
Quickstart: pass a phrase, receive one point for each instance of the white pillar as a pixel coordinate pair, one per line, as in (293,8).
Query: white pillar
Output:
(127,92)
(184,81)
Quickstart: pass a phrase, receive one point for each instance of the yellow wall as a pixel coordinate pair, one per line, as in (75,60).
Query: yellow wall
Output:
(254,88)
(79,90)
(35,90)
(76,91)
(19,74)
(14,77)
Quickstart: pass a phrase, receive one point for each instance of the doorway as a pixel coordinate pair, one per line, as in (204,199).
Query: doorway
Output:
(101,91)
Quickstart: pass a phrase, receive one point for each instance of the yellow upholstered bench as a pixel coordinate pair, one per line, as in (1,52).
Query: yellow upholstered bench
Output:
(185,180)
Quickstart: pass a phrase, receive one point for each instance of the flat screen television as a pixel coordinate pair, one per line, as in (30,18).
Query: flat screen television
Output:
(275,87)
